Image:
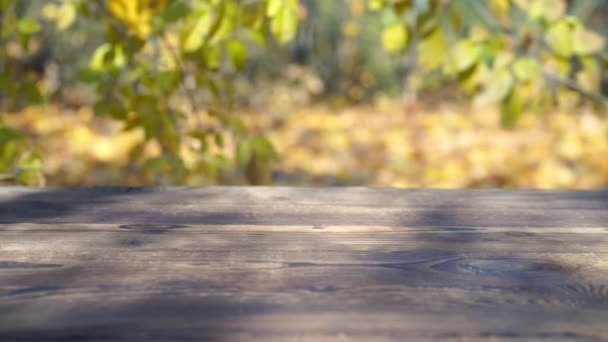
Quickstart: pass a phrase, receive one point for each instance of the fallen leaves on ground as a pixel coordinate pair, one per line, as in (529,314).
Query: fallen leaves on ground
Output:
(388,143)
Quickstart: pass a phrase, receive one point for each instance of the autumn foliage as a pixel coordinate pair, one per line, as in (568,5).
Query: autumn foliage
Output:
(174,97)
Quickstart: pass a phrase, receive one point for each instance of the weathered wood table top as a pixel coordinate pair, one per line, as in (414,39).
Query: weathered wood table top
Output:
(296,264)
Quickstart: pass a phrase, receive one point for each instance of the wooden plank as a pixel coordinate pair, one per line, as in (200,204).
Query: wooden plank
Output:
(111,239)
(310,206)
(302,265)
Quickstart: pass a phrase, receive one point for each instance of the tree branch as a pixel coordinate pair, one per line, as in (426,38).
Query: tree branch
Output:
(570,84)
(180,64)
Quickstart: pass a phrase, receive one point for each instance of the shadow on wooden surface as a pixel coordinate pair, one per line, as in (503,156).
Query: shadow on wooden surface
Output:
(226,264)
(314,206)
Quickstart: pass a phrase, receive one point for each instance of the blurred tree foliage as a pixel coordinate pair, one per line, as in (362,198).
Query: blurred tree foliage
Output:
(153,54)
(519,54)
(169,68)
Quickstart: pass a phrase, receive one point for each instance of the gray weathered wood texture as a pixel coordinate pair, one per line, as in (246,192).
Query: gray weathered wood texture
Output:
(299,264)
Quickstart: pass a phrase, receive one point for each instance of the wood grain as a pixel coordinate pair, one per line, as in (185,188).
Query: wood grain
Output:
(297,264)
(310,206)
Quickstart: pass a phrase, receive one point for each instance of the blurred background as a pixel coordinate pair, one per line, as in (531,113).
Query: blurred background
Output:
(403,93)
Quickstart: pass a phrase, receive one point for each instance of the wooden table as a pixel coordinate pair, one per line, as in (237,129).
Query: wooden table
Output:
(295,264)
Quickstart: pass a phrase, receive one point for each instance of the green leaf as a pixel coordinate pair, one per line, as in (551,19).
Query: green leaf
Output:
(213,57)
(28,26)
(244,152)
(9,150)
(227,21)
(395,37)
(9,134)
(263,148)
(168,80)
(237,51)
(111,108)
(32,93)
(176,10)
(101,108)
(119,57)
(257,36)
(218,138)
(511,109)
(155,164)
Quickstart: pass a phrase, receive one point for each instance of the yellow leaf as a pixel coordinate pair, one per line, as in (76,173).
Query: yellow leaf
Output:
(431,50)
(511,108)
(274,7)
(376,5)
(99,56)
(550,10)
(526,69)
(66,15)
(497,88)
(395,37)
(463,55)
(567,100)
(49,11)
(284,23)
(136,14)
(586,42)
(589,78)
(500,7)
(559,38)
(479,33)
(194,37)
(503,59)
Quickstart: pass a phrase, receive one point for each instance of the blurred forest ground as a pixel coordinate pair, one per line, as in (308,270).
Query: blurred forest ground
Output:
(339,111)
(416,143)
